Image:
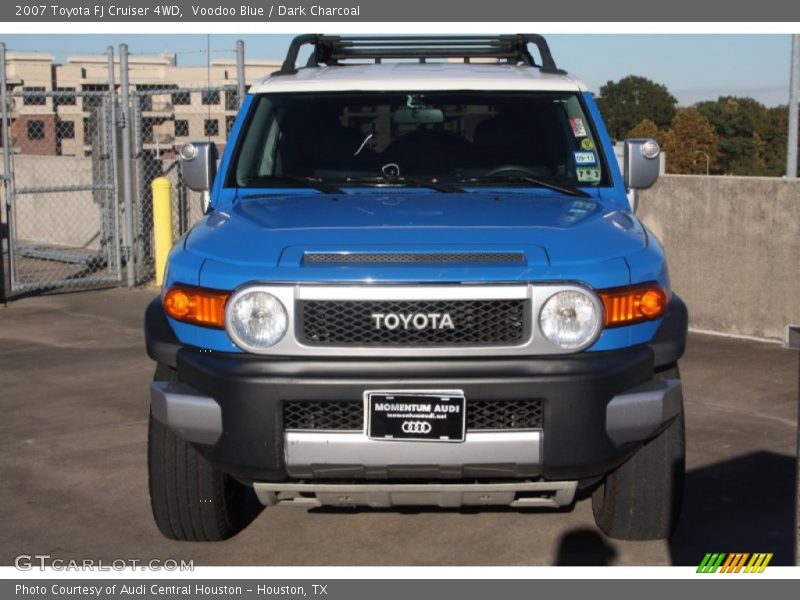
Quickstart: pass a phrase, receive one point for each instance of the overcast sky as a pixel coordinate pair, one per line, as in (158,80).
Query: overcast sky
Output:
(693,67)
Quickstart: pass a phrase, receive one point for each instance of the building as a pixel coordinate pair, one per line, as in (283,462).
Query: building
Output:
(171,104)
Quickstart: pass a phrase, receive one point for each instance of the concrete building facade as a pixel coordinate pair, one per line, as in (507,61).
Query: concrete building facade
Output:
(175,104)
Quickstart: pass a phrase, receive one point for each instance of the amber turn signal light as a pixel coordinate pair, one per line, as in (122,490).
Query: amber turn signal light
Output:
(634,304)
(196,305)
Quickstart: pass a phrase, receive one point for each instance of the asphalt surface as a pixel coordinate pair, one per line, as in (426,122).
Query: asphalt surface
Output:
(73,427)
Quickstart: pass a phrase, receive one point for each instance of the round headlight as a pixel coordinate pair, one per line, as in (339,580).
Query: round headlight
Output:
(256,320)
(569,319)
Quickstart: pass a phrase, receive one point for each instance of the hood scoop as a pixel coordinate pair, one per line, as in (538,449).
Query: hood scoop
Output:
(386,259)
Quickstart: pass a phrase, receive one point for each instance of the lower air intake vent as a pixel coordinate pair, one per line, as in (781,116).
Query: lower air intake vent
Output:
(345,415)
(348,415)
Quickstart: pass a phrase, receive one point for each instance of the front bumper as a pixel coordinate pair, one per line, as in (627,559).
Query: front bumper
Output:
(598,407)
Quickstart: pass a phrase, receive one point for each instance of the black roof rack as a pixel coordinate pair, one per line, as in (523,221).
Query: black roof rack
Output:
(331,50)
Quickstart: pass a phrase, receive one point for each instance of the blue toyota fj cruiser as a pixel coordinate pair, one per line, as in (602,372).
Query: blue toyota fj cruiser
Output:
(419,281)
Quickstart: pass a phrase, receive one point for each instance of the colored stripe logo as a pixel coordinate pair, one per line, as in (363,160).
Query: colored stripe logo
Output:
(737,562)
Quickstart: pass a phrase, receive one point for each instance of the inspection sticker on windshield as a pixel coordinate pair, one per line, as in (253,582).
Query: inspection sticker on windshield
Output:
(587,144)
(585,158)
(578,128)
(588,174)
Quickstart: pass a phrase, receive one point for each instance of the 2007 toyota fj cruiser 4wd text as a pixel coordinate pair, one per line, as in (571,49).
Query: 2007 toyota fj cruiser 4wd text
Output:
(419,281)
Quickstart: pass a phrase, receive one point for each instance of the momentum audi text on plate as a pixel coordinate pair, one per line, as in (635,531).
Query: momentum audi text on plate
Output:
(419,280)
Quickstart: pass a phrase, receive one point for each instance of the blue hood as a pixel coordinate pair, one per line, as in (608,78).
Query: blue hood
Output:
(553,228)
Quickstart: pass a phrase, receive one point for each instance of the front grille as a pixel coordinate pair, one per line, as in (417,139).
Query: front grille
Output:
(397,258)
(348,415)
(353,323)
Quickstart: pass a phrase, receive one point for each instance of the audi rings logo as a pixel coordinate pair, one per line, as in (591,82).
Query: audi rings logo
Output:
(416,427)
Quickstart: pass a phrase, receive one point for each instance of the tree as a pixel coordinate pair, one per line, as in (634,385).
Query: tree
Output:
(690,141)
(774,135)
(742,127)
(632,99)
(644,129)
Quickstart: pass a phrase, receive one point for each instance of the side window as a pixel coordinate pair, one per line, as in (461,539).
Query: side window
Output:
(268,158)
(586,158)
(253,154)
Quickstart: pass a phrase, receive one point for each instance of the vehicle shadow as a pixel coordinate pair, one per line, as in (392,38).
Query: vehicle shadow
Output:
(745,504)
(584,547)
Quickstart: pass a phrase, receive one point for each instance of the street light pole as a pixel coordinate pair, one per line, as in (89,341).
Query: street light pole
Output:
(708,160)
(794,103)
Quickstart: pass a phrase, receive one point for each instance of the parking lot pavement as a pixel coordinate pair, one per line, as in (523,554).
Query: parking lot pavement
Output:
(74,402)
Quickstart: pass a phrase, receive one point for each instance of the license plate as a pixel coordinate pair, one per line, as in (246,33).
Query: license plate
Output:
(433,416)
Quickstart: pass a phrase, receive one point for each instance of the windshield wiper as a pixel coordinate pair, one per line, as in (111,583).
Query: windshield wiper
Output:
(309,182)
(556,187)
(403,180)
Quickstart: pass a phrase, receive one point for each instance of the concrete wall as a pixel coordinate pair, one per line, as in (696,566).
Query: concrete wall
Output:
(733,245)
(61,218)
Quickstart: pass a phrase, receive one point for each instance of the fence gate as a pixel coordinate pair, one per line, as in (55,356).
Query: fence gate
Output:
(63,208)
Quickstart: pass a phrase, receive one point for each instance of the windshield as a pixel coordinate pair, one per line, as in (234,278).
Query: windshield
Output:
(373,138)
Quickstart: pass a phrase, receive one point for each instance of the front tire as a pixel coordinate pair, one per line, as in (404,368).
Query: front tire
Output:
(641,499)
(191,500)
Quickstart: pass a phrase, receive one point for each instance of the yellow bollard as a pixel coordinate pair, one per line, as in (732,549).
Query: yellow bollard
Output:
(162,224)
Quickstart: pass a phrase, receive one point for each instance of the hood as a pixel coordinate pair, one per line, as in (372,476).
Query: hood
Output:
(565,230)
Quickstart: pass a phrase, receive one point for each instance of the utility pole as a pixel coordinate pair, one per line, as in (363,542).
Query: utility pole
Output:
(794,102)
(240,71)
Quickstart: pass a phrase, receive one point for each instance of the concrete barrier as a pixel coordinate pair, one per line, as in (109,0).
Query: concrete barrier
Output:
(734,249)
(60,218)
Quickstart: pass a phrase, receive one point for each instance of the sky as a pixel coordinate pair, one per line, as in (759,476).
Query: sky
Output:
(694,67)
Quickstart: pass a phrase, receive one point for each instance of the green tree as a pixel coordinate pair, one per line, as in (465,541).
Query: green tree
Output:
(742,125)
(774,135)
(632,99)
(690,141)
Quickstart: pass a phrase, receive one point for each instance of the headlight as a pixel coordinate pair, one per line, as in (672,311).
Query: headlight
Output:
(570,319)
(255,320)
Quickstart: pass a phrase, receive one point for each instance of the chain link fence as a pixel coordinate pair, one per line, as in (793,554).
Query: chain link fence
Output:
(78,163)
(163,120)
(64,195)
(61,202)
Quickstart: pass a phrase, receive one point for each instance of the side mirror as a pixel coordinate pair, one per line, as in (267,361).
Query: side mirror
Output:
(198,165)
(641,163)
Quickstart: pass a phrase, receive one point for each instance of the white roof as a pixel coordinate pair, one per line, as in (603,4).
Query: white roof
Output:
(415,76)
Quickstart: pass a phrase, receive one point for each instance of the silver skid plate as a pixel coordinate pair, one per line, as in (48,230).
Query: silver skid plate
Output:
(550,494)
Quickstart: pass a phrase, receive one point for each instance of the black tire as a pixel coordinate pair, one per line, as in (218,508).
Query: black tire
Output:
(190,499)
(641,499)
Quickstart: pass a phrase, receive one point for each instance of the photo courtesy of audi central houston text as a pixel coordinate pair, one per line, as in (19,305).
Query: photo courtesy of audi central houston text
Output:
(396,298)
